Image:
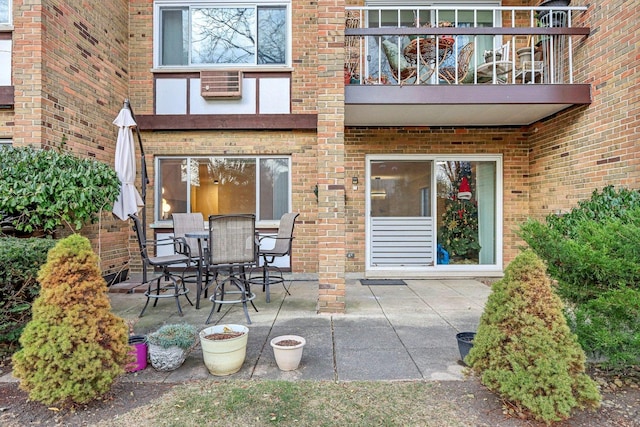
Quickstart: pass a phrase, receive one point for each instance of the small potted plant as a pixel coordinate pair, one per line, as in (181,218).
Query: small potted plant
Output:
(287,350)
(170,345)
(224,348)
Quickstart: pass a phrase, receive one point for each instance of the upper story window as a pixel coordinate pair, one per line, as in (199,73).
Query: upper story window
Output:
(5,12)
(226,34)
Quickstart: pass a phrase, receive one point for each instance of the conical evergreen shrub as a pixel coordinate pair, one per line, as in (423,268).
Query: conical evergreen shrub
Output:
(524,350)
(74,347)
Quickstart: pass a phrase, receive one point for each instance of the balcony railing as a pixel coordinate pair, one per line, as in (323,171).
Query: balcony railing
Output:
(461,45)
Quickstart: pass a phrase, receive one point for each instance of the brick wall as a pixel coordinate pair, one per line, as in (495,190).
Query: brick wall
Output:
(511,143)
(6,124)
(70,78)
(301,146)
(331,158)
(583,149)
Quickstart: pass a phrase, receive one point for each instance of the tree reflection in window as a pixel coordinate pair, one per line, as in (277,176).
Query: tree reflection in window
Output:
(238,35)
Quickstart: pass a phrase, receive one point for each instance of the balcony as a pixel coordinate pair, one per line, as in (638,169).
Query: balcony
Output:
(462,66)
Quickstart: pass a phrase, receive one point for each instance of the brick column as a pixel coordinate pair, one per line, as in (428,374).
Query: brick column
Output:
(331,191)
(27,73)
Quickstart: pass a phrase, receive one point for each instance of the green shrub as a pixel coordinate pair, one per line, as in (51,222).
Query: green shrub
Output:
(74,347)
(181,335)
(608,327)
(592,249)
(45,189)
(593,253)
(524,349)
(20,260)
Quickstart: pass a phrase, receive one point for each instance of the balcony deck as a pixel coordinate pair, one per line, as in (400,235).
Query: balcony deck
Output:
(388,84)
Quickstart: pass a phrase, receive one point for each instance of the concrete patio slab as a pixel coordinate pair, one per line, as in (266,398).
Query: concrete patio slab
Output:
(387,333)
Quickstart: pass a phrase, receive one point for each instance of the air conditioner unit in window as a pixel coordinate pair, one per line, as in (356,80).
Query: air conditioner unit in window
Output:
(221,84)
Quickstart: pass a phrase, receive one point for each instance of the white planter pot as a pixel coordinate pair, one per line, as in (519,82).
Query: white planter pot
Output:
(166,359)
(288,356)
(524,54)
(226,356)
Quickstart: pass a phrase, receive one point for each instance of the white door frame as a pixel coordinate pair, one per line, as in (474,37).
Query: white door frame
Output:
(437,270)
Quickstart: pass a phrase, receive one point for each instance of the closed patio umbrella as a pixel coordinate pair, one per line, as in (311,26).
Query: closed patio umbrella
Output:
(129,200)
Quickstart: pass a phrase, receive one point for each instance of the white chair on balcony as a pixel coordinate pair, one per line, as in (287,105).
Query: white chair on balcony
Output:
(497,66)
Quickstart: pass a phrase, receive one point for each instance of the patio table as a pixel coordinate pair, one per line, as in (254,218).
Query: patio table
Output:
(486,71)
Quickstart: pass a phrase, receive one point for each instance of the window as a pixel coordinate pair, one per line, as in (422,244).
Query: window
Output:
(223,185)
(466,207)
(231,34)
(5,12)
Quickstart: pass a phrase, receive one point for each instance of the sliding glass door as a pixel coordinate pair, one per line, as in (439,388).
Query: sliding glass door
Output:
(434,213)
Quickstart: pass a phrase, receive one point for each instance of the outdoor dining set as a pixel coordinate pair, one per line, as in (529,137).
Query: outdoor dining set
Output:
(224,259)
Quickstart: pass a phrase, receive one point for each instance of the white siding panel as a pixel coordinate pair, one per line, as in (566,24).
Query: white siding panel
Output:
(275,96)
(401,241)
(5,63)
(171,96)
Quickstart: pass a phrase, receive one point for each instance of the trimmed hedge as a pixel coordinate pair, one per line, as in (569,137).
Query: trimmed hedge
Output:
(592,249)
(74,347)
(524,349)
(20,260)
(594,254)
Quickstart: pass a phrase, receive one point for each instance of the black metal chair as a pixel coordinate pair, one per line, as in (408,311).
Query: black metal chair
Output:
(173,286)
(282,247)
(232,248)
(183,224)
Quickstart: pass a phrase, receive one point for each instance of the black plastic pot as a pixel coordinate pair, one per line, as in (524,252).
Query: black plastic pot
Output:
(465,342)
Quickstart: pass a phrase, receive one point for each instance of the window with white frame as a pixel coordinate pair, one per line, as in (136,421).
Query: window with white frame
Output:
(196,34)
(223,185)
(5,12)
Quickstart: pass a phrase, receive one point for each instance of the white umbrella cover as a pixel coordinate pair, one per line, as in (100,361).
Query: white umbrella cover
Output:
(129,200)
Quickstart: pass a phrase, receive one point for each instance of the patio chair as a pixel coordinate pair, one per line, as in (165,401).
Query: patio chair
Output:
(281,248)
(460,70)
(401,69)
(172,286)
(184,223)
(232,249)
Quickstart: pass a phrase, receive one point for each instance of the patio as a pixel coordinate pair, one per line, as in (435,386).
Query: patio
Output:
(390,332)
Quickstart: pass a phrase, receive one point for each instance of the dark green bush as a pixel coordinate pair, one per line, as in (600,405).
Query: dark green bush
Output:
(20,260)
(609,327)
(592,249)
(524,349)
(45,189)
(594,254)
